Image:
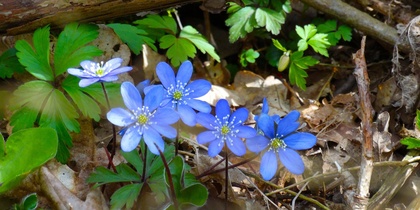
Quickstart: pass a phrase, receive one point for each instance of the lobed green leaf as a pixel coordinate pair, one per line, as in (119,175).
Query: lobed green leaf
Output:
(134,37)
(241,22)
(270,19)
(179,49)
(126,196)
(9,64)
(199,41)
(159,22)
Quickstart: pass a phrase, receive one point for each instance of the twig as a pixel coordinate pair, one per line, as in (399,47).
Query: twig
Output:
(360,200)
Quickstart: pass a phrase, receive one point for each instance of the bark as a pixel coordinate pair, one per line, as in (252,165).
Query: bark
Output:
(22,16)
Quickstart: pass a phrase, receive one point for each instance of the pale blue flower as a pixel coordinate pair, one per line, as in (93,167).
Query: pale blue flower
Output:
(99,72)
(279,141)
(225,128)
(143,119)
(181,94)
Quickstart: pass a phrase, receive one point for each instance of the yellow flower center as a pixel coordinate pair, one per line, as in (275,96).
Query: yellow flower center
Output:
(277,143)
(177,95)
(100,72)
(225,130)
(142,119)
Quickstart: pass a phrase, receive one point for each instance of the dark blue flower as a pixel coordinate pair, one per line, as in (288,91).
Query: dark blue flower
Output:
(181,94)
(225,128)
(143,119)
(99,72)
(280,140)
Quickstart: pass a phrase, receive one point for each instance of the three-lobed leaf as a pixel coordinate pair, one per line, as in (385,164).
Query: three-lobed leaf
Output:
(126,196)
(309,36)
(36,58)
(270,19)
(71,48)
(179,49)
(159,22)
(133,36)
(9,64)
(298,64)
(241,22)
(190,33)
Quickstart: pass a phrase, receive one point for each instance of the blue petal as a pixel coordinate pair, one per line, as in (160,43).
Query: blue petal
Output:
(198,88)
(266,124)
(268,165)
(205,137)
(77,72)
(239,116)
(166,130)
(206,120)
(257,144)
(265,106)
(165,116)
(300,141)
(246,131)
(109,78)
(152,137)
(120,70)
(288,124)
(120,117)
(184,72)
(87,82)
(187,115)
(222,110)
(236,145)
(154,97)
(198,105)
(215,147)
(87,64)
(131,96)
(292,161)
(142,85)
(113,64)
(166,74)
(130,140)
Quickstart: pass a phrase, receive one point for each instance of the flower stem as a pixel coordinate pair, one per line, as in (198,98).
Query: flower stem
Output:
(170,181)
(226,180)
(114,132)
(144,163)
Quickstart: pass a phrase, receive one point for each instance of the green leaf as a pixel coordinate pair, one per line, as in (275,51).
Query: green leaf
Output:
(23,155)
(159,22)
(179,49)
(345,32)
(411,142)
(36,59)
(319,42)
(248,56)
(418,119)
(113,91)
(32,94)
(277,44)
(84,102)
(134,159)
(126,196)
(9,64)
(270,19)
(241,22)
(2,146)
(327,26)
(297,73)
(29,202)
(199,41)
(68,55)
(102,175)
(134,37)
(23,118)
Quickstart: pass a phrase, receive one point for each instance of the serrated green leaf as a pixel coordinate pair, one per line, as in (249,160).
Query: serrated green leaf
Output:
(179,49)
(241,22)
(70,49)
(199,41)
(248,56)
(319,42)
(84,102)
(134,37)
(327,26)
(9,64)
(102,175)
(411,142)
(125,196)
(134,159)
(23,154)
(270,19)
(36,59)
(345,32)
(297,73)
(159,22)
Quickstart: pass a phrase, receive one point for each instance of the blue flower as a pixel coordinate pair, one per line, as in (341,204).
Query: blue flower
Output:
(280,140)
(225,128)
(99,72)
(181,94)
(143,119)
(264,110)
